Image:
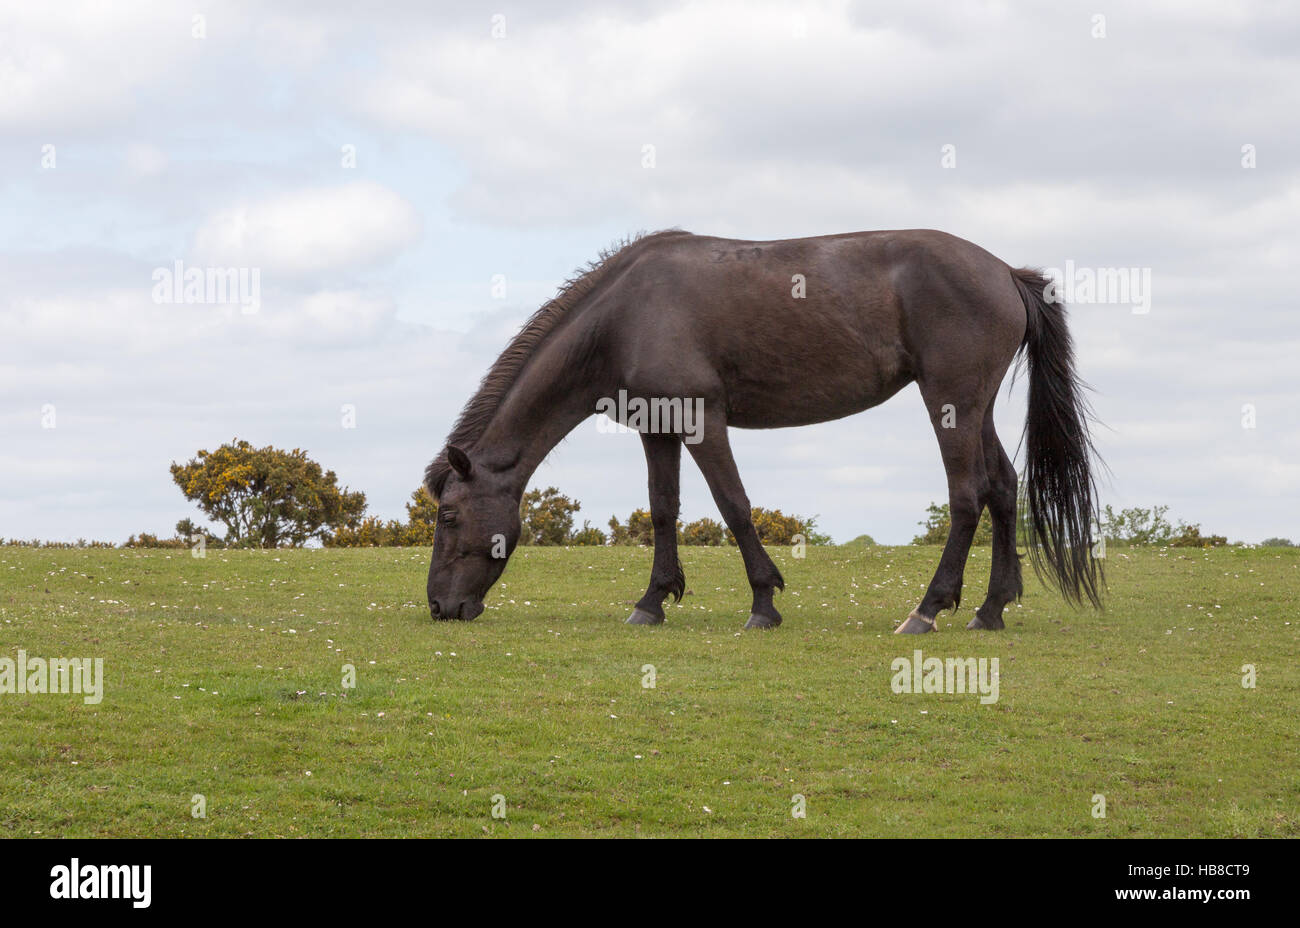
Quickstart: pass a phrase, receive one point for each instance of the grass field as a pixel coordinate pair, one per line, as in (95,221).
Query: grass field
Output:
(224,678)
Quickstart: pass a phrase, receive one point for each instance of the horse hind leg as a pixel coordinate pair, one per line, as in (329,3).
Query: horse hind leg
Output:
(713,456)
(958,428)
(1005,585)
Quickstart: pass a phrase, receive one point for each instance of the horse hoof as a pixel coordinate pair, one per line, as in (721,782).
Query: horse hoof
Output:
(987,625)
(757,620)
(641,617)
(916,624)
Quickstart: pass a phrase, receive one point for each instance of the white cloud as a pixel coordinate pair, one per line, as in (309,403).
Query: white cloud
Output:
(144,160)
(524,156)
(310,231)
(845,108)
(69,66)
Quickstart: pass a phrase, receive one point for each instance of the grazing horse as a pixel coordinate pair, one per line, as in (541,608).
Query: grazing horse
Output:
(775,334)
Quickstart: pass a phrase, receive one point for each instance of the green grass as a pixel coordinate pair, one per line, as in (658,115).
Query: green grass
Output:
(224,678)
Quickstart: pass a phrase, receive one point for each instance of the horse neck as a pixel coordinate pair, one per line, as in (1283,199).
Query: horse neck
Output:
(548,399)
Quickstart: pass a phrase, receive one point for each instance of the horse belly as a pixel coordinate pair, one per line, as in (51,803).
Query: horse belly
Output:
(793,394)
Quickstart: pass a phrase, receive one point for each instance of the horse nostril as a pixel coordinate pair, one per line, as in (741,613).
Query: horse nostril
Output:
(433,606)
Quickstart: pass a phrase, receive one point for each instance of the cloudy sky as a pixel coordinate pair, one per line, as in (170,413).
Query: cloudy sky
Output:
(380,165)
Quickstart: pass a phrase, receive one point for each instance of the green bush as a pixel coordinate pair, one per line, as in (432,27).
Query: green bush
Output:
(776,528)
(37,543)
(703,532)
(639,530)
(587,535)
(1189,536)
(268,497)
(373,532)
(546,517)
(1138,526)
(939,519)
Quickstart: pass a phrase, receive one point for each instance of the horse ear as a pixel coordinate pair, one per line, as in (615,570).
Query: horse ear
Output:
(459,462)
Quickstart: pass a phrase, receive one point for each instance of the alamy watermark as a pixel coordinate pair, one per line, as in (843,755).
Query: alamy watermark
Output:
(921,674)
(1121,286)
(656,415)
(36,675)
(76,880)
(217,285)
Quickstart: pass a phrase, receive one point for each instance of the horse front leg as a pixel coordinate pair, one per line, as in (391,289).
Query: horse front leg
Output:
(663,455)
(712,455)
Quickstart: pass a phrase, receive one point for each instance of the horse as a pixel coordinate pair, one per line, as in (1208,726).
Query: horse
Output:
(775,334)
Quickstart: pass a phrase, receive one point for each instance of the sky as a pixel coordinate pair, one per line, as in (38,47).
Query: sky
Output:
(410,180)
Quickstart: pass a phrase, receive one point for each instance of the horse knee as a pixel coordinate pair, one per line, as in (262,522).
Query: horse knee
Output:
(664,523)
(965,505)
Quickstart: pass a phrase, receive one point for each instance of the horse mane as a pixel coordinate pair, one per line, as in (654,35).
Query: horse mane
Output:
(483,405)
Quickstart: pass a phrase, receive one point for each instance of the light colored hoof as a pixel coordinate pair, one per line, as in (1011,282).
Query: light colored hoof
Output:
(641,617)
(916,624)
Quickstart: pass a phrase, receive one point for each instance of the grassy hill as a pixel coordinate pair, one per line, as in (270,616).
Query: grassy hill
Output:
(224,678)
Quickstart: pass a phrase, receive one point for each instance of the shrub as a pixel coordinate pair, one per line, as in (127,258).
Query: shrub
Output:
(546,517)
(267,497)
(37,543)
(587,535)
(149,540)
(1137,526)
(1189,536)
(772,525)
(638,531)
(938,521)
(776,528)
(703,532)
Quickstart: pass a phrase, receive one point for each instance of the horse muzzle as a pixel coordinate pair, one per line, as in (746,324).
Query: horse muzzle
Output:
(463,610)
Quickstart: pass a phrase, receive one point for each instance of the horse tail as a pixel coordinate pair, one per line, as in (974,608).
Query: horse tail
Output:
(1059,501)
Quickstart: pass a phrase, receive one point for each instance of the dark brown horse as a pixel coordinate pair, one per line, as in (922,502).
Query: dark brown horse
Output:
(774,334)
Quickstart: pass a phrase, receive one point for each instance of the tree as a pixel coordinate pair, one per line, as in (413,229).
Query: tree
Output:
(939,519)
(1277,543)
(1137,526)
(547,517)
(773,527)
(149,540)
(186,529)
(267,497)
(587,535)
(1189,536)
(776,528)
(421,517)
(373,532)
(370,532)
(702,532)
(811,535)
(638,531)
